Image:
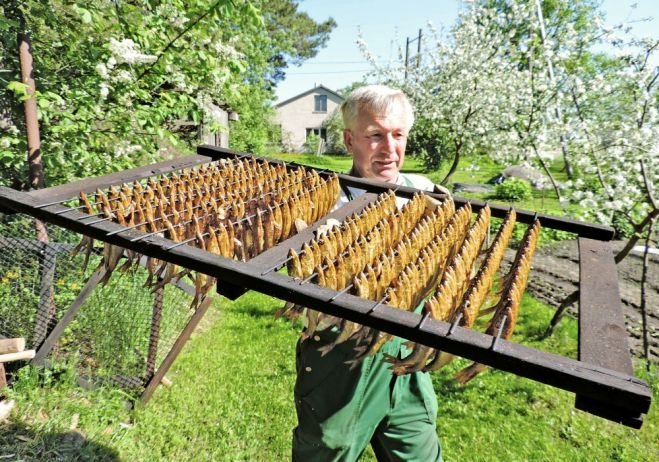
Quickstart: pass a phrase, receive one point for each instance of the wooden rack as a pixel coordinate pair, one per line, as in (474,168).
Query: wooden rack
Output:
(602,378)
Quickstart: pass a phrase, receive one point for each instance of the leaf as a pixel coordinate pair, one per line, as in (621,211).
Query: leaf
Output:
(19,89)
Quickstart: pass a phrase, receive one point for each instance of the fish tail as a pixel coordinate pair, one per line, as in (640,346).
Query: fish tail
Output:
(469,372)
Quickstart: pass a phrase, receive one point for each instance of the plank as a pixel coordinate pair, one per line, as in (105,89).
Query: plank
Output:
(71,190)
(584,229)
(601,384)
(602,333)
(18,356)
(3,378)
(12,345)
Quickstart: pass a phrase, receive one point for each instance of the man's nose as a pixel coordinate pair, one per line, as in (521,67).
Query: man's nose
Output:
(389,144)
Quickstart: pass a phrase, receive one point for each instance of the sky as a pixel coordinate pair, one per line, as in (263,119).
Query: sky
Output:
(385,25)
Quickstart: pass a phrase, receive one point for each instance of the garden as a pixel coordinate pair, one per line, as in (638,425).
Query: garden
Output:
(516,83)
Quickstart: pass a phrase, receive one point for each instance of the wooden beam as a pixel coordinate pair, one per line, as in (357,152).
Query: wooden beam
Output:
(45,348)
(598,383)
(590,230)
(176,349)
(71,190)
(12,345)
(18,356)
(3,377)
(602,332)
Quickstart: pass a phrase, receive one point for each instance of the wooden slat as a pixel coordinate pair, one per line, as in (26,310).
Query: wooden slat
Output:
(53,336)
(18,356)
(600,384)
(70,190)
(589,230)
(602,333)
(279,253)
(12,345)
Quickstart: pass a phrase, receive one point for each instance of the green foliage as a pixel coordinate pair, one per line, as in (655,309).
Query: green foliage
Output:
(334,126)
(311,143)
(513,190)
(116,79)
(430,143)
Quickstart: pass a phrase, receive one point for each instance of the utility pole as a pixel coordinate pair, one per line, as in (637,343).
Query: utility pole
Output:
(407,52)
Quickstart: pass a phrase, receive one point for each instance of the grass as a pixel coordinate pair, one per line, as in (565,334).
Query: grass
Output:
(232,400)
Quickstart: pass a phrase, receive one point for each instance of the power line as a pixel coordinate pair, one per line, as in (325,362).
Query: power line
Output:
(329,72)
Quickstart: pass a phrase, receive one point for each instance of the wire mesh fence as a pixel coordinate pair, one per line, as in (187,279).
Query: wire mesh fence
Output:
(122,331)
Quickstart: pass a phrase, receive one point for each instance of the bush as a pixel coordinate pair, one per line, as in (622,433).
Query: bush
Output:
(311,144)
(513,190)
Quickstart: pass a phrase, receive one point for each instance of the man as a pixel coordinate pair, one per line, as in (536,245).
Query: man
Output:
(341,410)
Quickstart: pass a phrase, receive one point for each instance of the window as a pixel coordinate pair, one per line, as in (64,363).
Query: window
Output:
(322,132)
(320,103)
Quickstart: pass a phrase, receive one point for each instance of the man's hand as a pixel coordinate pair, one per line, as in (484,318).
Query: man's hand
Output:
(441,190)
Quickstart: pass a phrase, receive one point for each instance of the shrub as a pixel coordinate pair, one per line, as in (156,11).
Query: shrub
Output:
(311,144)
(513,190)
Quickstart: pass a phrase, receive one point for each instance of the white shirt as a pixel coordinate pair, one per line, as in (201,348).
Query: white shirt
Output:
(404,179)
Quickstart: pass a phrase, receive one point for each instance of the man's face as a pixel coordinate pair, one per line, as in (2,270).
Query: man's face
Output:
(377,144)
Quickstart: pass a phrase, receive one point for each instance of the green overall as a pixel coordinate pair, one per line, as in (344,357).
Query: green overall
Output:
(341,410)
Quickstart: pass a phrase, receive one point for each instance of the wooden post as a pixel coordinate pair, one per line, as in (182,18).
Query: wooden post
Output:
(46,310)
(3,377)
(155,330)
(55,334)
(176,349)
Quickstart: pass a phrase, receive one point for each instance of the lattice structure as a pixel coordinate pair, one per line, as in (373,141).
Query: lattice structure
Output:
(112,338)
(602,377)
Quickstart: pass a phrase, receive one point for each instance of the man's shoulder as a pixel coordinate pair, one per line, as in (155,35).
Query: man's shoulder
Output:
(418,181)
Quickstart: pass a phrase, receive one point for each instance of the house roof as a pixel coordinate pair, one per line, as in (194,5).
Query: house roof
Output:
(307,92)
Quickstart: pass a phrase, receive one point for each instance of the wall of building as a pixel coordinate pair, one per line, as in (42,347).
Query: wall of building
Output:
(298,115)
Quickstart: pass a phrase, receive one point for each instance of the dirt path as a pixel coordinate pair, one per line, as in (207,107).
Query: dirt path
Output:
(555,274)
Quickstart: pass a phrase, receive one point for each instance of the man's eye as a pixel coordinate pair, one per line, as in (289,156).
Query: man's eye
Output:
(376,137)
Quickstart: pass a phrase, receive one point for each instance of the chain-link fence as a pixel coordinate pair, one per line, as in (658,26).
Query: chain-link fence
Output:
(122,331)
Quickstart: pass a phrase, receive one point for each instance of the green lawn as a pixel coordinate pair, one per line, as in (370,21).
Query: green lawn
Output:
(231,400)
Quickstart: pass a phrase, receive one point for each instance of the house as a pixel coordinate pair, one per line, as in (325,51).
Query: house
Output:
(304,114)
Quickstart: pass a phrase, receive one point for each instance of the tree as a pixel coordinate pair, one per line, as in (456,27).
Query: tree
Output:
(115,79)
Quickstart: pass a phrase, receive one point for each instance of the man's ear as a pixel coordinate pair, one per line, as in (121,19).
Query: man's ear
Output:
(347,139)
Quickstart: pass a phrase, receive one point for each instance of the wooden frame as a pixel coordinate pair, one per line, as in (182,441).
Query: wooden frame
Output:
(603,387)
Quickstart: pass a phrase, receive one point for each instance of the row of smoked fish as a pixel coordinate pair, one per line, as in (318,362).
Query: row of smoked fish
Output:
(425,253)
(235,208)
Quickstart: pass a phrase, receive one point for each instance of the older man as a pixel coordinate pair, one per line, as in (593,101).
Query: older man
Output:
(342,409)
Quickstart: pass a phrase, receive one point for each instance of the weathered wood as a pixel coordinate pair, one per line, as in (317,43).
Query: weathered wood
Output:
(18,356)
(609,411)
(3,377)
(46,347)
(12,345)
(589,230)
(46,310)
(598,383)
(602,333)
(71,190)
(176,349)
(154,331)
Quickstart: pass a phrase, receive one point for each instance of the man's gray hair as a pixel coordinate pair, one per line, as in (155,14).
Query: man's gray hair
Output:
(375,99)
